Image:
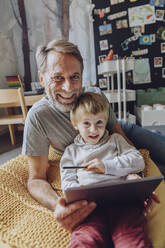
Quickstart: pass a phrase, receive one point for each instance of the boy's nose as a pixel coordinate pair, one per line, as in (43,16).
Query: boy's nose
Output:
(93,128)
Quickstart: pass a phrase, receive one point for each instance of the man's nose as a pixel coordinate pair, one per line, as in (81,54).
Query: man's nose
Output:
(67,85)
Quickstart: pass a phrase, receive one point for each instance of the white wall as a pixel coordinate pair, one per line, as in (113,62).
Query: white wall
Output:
(43,25)
(81,33)
(43,19)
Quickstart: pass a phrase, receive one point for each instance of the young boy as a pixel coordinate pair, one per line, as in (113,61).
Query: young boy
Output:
(105,157)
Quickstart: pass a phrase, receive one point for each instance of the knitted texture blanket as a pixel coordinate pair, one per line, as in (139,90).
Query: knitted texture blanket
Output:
(24,223)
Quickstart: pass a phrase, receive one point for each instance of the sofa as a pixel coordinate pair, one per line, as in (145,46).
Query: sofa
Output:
(153,141)
(24,223)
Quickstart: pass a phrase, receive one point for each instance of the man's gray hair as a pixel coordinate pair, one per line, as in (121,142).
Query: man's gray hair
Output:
(60,46)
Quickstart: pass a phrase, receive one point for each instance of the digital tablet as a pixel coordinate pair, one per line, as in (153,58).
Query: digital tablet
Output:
(114,192)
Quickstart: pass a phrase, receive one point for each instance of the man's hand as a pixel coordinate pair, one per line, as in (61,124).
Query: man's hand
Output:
(149,203)
(95,165)
(69,216)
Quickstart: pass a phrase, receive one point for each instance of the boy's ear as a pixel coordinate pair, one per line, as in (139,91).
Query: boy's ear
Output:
(74,125)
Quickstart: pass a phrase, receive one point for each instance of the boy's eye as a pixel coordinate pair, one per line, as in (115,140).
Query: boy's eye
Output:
(99,122)
(86,123)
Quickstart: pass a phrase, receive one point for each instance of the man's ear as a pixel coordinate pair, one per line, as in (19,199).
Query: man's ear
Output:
(41,78)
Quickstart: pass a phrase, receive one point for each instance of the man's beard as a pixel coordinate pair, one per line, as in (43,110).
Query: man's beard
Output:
(52,96)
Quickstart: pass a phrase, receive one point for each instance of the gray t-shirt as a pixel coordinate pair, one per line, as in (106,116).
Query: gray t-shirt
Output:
(47,125)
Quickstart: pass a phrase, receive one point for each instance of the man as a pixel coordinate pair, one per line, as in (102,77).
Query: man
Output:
(60,68)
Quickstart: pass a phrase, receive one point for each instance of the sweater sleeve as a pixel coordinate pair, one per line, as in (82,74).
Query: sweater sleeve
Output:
(68,176)
(128,159)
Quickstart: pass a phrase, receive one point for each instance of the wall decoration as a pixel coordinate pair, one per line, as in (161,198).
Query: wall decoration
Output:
(100,11)
(102,58)
(158,62)
(117,15)
(161,33)
(103,83)
(153,38)
(141,15)
(159,14)
(163,47)
(141,73)
(140,52)
(122,24)
(138,30)
(125,43)
(113,2)
(103,45)
(157,3)
(105,29)
(163,72)
(145,40)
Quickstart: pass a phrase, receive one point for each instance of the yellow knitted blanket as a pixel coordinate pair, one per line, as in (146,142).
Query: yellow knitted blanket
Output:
(24,223)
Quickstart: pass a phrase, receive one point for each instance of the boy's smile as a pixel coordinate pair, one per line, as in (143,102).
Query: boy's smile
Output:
(92,127)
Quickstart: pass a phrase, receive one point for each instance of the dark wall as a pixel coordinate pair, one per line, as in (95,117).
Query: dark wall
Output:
(118,36)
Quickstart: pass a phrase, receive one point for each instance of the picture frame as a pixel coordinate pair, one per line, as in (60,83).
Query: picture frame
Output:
(102,58)
(103,45)
(163,47)
(163,72)
(158,61)
(103,83)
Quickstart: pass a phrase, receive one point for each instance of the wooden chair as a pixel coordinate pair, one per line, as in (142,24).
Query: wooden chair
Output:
(10,98)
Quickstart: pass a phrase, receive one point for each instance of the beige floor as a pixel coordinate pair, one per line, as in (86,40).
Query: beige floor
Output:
(7,151)
(4,157)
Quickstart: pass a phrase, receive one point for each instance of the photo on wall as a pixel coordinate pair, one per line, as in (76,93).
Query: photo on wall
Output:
(105,29)
(103,83)
(158,62)
(103,45)
(141,72)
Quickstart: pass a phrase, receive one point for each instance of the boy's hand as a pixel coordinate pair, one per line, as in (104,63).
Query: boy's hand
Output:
(95,165)
(133,176)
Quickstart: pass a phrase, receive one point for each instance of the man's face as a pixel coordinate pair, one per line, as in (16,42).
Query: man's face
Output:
(62,80)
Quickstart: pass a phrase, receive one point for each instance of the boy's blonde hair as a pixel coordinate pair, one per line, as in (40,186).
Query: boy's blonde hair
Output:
(89,102)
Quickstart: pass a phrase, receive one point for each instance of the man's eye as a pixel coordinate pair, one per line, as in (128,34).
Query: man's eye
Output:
(75,77)
(57,78)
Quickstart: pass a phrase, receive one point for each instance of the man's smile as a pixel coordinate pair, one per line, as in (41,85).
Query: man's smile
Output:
(67,98)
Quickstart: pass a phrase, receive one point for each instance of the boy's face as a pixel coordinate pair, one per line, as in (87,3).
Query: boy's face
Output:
(91,127)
